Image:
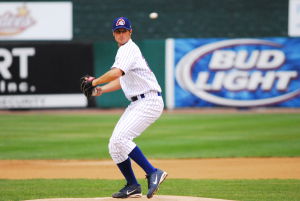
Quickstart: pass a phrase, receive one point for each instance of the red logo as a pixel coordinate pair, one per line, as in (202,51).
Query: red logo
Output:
(120,22)
(11,24)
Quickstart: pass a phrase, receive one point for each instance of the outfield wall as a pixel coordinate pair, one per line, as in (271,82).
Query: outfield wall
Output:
(104,54)
(41,57)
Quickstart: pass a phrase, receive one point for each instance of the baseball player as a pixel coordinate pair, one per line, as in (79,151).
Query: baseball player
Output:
(131,73)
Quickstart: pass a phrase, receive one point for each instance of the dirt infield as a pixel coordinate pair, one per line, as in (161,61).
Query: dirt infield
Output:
(226,168)
(230,168)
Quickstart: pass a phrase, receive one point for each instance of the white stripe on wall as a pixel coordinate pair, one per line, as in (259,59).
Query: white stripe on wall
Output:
(43,101)
(169,77)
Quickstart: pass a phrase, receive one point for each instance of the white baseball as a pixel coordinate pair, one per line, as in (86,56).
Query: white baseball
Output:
(153,15)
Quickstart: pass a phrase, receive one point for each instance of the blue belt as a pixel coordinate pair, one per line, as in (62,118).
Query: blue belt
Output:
(134,98)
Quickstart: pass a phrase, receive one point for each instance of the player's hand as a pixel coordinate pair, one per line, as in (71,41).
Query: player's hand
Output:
(86,85)
(97,91)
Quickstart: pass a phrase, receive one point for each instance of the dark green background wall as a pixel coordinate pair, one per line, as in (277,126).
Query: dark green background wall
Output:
(104,54)
(182,19)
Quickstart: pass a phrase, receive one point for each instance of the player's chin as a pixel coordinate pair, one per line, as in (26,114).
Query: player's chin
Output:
(122,42)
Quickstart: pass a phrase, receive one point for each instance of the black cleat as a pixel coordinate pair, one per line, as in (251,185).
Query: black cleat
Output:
(133,191)
(154,180)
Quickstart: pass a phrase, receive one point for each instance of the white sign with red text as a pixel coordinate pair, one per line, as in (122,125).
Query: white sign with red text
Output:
(36,21)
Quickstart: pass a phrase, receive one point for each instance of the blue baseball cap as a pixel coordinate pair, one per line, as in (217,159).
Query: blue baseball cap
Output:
(121,22)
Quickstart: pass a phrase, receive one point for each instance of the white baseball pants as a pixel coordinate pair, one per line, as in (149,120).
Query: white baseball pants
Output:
(137,117)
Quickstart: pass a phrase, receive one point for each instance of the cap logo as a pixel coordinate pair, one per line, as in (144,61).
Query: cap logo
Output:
(120,22)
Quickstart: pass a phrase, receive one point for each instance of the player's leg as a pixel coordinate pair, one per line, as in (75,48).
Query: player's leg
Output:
(137,117)
(137,155)
(154,176)
(132,187)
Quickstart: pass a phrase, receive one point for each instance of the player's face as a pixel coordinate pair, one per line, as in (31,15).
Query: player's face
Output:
(122,36)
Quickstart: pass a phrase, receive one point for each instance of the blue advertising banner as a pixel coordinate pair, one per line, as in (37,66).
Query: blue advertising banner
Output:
(236,72)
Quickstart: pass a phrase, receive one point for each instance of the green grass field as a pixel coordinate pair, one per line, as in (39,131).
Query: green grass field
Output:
(85,136)
(188,136)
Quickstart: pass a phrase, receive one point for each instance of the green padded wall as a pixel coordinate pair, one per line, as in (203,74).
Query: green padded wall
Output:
(104,55)
(182,19)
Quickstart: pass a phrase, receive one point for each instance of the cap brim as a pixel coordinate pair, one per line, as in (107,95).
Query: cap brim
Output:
(121,27)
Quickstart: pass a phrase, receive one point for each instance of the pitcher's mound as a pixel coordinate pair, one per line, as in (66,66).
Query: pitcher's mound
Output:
(157,198)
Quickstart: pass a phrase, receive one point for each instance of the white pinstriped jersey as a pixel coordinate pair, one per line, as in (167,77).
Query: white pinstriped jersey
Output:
(138,78)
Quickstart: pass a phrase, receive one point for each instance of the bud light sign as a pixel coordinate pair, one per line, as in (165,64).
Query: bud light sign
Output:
(237,72)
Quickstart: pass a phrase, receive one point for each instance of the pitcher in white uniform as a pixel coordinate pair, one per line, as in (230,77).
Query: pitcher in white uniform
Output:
(131,73)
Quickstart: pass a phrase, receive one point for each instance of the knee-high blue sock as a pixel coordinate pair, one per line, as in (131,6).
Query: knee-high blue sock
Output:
(137,155)
(126,169)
